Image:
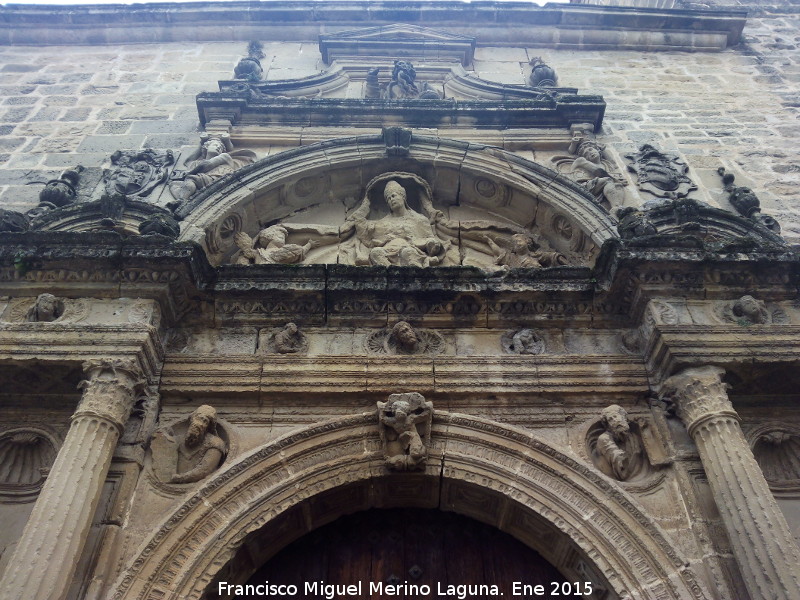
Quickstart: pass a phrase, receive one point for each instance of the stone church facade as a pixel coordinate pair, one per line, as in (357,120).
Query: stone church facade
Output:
(267,267)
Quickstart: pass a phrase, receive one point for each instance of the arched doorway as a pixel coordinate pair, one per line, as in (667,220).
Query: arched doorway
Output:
(500,475)
(418,552)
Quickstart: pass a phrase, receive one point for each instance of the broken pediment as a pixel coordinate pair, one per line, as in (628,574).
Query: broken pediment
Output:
(397,41)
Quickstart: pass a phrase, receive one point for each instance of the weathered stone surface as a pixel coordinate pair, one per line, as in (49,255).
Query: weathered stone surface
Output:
(488,281)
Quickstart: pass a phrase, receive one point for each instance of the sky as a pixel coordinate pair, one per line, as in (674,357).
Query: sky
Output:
(63,2)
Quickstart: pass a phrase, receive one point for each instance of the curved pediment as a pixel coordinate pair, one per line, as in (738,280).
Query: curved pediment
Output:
(462,204)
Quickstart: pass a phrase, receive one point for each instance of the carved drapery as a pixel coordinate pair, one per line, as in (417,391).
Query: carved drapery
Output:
(47,554)
(762,542)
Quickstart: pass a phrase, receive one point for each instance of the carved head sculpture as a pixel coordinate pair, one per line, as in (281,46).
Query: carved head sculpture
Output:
(395,195)
(542,75)
(750,309)
(405,336)
(46,308)
(404,72)
(744,200)
(272,237)
(615,420)
(61,191)
(591,151)
(522,244)
(201,420)
(213,147)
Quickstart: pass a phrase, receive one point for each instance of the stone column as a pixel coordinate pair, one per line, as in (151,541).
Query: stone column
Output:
(762,543)
(47,554)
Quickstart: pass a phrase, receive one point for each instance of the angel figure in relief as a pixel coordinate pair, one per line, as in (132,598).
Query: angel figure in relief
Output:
(586,166)
(269,247)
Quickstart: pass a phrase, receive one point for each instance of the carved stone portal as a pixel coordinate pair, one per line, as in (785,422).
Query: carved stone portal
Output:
(405,427)
(189,451)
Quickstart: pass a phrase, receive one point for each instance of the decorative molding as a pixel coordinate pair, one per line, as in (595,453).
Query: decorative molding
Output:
(193,543)
(559,26)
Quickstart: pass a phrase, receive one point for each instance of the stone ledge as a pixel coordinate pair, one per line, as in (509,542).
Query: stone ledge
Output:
(512,23)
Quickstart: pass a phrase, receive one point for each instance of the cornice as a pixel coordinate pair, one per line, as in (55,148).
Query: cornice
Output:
(673,347)
(178,276)
(492,23)
(210,375)
(136,343)
(556,111)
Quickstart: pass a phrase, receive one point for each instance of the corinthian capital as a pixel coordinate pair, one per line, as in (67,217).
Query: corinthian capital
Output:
(109,389)
(699,394)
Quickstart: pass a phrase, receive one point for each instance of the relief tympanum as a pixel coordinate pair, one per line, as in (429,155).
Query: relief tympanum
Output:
(395,224)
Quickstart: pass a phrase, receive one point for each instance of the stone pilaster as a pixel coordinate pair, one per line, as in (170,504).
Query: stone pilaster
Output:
(767,554)
(45,559)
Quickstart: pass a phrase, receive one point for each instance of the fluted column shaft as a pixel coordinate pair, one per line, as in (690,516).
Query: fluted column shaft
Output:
(762,543)
(47,554)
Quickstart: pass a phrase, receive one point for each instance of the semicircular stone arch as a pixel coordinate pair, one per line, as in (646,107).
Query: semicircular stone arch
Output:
(323,182)
(507,476)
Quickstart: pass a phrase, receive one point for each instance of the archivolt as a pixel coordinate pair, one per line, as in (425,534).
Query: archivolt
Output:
(203,534)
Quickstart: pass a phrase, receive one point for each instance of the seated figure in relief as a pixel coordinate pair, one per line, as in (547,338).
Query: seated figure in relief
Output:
(396,225)
(404,237)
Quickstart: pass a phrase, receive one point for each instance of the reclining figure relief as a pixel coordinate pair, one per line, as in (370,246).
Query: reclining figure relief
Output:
(395,224)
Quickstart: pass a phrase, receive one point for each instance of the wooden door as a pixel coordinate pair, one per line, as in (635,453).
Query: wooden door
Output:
(422,552)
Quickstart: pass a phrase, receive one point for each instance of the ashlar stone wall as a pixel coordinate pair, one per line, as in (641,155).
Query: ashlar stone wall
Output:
(739,108)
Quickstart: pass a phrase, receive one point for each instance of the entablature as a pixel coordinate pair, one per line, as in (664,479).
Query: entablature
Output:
(567,26)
